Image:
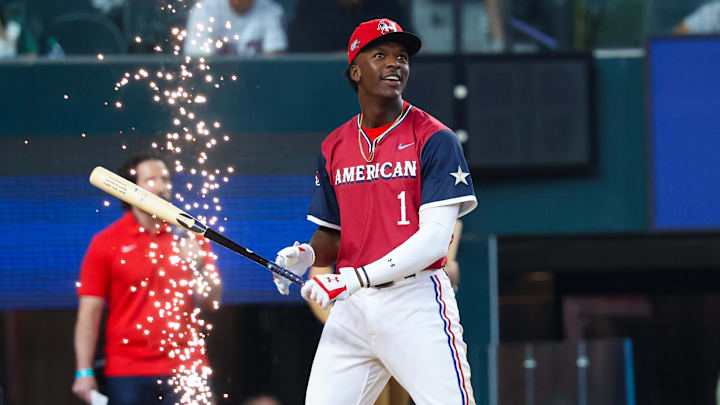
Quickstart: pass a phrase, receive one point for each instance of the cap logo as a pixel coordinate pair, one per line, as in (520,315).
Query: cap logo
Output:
(355,45)
(385,26)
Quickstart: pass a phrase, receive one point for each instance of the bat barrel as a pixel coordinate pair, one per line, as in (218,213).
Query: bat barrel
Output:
(141,198)
(137,196)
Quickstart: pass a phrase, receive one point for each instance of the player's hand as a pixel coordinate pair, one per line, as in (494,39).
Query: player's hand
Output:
(82,387)
(325,289)
(296,258)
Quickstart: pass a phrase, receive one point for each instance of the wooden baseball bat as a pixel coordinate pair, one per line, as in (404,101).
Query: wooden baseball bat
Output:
(137,196)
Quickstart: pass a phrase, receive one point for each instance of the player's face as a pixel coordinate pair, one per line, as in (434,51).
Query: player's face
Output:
(154,176)
(382,70)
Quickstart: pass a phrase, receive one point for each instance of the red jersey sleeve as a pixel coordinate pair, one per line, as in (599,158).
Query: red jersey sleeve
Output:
(95,270)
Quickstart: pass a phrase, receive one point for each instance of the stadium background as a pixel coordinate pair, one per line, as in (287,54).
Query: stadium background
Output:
(589,269)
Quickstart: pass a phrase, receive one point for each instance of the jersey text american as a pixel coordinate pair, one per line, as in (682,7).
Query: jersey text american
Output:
(385,171)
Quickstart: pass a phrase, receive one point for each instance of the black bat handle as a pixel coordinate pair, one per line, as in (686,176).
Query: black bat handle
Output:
(224,241)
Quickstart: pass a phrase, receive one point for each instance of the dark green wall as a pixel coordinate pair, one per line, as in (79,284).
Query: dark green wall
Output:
(271,95)
(610,199)
(613,198)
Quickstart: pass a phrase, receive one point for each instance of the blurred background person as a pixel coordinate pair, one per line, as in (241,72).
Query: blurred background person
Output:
(482,25)
(15,38)
(9,35)
(322,25)
(135,265)
(704,20)
(235,27)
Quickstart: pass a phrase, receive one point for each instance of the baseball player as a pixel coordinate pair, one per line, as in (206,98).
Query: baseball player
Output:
(391,182)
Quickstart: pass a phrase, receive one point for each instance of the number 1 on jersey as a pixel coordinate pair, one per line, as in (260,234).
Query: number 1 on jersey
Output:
(403,211)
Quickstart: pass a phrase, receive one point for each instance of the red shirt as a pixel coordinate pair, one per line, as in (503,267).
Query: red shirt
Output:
(149,299)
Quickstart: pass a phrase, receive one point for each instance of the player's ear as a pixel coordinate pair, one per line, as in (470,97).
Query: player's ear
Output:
(355,73)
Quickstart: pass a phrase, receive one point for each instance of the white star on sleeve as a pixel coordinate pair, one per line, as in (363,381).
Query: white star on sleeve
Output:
(460,176)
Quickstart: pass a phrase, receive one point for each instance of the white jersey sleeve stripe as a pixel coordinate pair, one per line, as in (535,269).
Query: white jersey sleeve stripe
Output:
(320,222)
(467,204)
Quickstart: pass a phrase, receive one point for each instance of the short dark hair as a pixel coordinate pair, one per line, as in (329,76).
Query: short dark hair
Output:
(128,169)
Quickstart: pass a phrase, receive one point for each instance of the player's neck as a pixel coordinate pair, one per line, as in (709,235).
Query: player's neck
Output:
(377,113)
(144,220)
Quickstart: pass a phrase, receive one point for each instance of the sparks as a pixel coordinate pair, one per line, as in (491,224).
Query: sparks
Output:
(175,90)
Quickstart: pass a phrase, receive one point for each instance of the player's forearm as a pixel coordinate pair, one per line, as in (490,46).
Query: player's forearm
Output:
(326,243)
(86,334)
(426,246)
(495,13)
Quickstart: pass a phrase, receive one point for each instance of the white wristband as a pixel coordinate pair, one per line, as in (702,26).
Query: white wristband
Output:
(350,277)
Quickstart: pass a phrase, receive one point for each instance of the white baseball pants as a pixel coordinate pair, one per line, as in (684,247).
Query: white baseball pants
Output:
(410,330)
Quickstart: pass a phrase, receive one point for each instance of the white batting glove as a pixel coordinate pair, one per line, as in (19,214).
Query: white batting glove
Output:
(296,258)
(325,289)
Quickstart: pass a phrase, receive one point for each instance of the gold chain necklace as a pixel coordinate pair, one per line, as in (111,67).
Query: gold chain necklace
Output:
(372,146)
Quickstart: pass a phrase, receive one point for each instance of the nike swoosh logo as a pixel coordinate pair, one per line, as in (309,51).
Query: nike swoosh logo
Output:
(128,248)
(401,146)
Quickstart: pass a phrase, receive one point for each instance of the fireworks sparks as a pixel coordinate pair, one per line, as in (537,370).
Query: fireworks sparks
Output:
(182,332)
(184,272)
